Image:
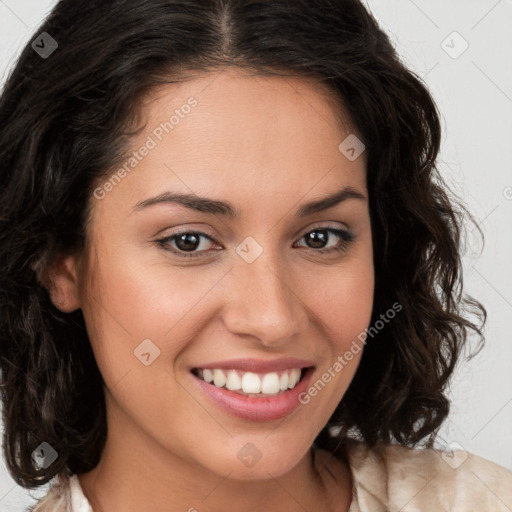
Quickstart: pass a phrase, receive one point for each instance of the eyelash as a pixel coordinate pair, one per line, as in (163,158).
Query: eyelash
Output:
(346,238)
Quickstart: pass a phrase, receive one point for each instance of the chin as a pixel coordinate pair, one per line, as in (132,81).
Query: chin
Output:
(257,458)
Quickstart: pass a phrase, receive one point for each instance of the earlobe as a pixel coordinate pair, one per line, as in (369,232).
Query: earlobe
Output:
(62,283)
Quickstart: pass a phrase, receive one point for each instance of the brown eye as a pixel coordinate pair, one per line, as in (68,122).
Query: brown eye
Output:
(186,242)
(319,238)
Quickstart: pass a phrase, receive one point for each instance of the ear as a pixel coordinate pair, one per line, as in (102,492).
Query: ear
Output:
(62,283)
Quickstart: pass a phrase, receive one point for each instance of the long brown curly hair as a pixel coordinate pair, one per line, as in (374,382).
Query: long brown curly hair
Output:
(65,122)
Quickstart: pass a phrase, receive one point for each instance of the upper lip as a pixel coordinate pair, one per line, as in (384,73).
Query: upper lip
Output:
(258,365)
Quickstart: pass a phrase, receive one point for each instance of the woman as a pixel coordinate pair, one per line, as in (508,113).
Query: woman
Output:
(230,270)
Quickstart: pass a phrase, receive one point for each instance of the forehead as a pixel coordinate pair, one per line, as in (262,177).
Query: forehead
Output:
(241,96)
(231,133)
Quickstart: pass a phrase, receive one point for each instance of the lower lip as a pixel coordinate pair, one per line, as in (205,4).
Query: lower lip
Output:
(254,408)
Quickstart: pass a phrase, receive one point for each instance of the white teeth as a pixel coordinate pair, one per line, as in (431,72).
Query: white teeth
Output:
(270,384)
(283,382)
(252,383)
(233,382)
(294,378)
(219,379)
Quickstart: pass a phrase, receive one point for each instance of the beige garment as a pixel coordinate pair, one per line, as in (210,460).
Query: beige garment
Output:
(387,478)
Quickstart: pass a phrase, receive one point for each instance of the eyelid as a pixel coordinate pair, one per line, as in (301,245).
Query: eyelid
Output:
(324,225)
(199,231)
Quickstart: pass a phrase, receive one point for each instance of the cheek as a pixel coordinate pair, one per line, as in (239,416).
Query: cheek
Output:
(145,298)
(130,310)
(344,310)
(133,300)
(344,301)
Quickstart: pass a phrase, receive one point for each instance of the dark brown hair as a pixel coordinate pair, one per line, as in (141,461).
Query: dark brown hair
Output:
(65,123)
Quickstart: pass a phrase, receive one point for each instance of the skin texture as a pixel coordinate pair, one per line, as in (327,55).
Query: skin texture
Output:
(266,145)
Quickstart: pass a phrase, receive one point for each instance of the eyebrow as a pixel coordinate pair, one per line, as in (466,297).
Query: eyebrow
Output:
(216,207)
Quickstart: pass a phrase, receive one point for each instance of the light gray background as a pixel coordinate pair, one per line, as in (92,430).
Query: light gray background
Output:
(474,94)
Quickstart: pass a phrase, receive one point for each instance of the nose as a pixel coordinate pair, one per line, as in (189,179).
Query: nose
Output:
(264,302)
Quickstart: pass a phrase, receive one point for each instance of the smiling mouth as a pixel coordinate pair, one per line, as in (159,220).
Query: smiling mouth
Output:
(250,383)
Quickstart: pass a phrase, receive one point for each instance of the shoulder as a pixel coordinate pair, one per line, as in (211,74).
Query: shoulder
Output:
(57,498)
(403,478)
(65,495)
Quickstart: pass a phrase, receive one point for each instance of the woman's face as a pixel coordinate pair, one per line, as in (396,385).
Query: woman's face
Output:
(262,285)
